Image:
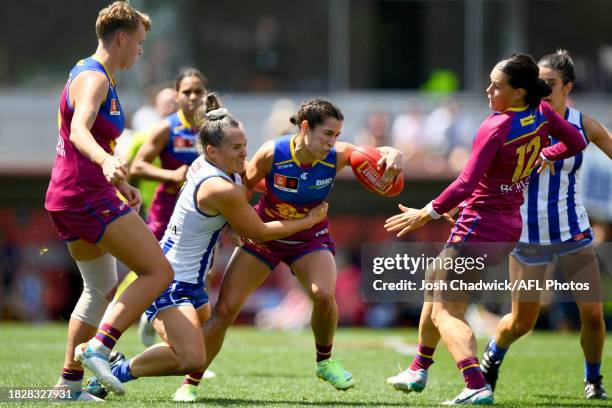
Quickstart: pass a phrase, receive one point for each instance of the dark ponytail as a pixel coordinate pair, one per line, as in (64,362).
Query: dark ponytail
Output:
(522,72)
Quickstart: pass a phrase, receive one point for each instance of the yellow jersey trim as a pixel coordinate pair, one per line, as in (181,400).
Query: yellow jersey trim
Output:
(183,120)
(295,159)
(112,80)
(522,108)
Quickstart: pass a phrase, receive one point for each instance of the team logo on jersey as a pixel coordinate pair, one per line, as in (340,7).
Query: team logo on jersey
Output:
(182,144)
(285,183)
(528,120)
(80,63)
(286,212)
(114,107)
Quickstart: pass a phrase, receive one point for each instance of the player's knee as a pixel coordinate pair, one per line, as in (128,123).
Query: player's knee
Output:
(192,360)
(161,273)
(592,317)
(99,286)
(323,298)
(436,315)
(225,313)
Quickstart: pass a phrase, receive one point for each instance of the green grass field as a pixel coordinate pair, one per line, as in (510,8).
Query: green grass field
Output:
(275,369)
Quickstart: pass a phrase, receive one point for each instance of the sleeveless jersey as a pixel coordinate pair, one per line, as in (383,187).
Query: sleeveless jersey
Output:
(293,189)
(553,211)
(180,149)
(191,235)
(75,179)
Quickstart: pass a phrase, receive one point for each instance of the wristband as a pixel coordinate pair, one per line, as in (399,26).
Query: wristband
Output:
(430,210)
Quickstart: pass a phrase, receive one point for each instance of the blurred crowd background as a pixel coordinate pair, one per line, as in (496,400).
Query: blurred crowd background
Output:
(410,74)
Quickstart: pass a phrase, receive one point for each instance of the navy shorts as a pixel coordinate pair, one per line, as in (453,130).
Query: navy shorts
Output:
(179,294)
(540,254)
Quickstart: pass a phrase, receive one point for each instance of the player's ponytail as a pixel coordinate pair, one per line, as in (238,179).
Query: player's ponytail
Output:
(214,121)
(522,72)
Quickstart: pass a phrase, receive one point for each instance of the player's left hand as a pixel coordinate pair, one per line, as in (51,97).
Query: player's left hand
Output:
(131,194)
(543,163)
(391,161)
(409,219)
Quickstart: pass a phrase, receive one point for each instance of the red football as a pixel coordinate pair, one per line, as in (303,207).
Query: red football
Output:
(363,161)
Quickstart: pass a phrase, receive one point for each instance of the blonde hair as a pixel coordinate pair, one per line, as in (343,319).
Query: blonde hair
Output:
(120,16)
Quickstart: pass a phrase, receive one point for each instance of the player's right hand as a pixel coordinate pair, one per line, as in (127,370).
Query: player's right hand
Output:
(115,170)
(408,220)
(318,213)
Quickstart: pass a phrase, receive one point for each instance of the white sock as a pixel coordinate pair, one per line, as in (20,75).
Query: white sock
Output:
(99,347)
(71,385)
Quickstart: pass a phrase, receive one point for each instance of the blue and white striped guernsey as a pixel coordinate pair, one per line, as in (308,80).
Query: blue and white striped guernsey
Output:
(552,211)
(191,235)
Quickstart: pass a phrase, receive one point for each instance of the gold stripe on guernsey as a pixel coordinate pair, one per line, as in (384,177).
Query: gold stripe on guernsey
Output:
(183,120)
(324,163)
(522,108)
(526,134)
(107,334)
(105,69)
(59,119)
(283,162)
(424,355)
(193,379)
(470,366)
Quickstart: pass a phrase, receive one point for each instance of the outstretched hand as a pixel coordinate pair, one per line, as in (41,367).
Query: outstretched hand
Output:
(409,219)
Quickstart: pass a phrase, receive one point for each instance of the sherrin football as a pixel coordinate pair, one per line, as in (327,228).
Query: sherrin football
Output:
(363,161)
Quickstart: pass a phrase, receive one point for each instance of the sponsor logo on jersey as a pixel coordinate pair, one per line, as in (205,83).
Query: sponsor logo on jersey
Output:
(59,148)
(322,183)
(114,107)
(285,183)
(528,120)
(304,176)
(517,187)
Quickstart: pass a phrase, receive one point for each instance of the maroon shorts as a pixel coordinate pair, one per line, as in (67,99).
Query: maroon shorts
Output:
(478,231)
(273,252)
(90,222)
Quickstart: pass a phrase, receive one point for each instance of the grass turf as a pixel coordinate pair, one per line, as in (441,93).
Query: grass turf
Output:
(276,369)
